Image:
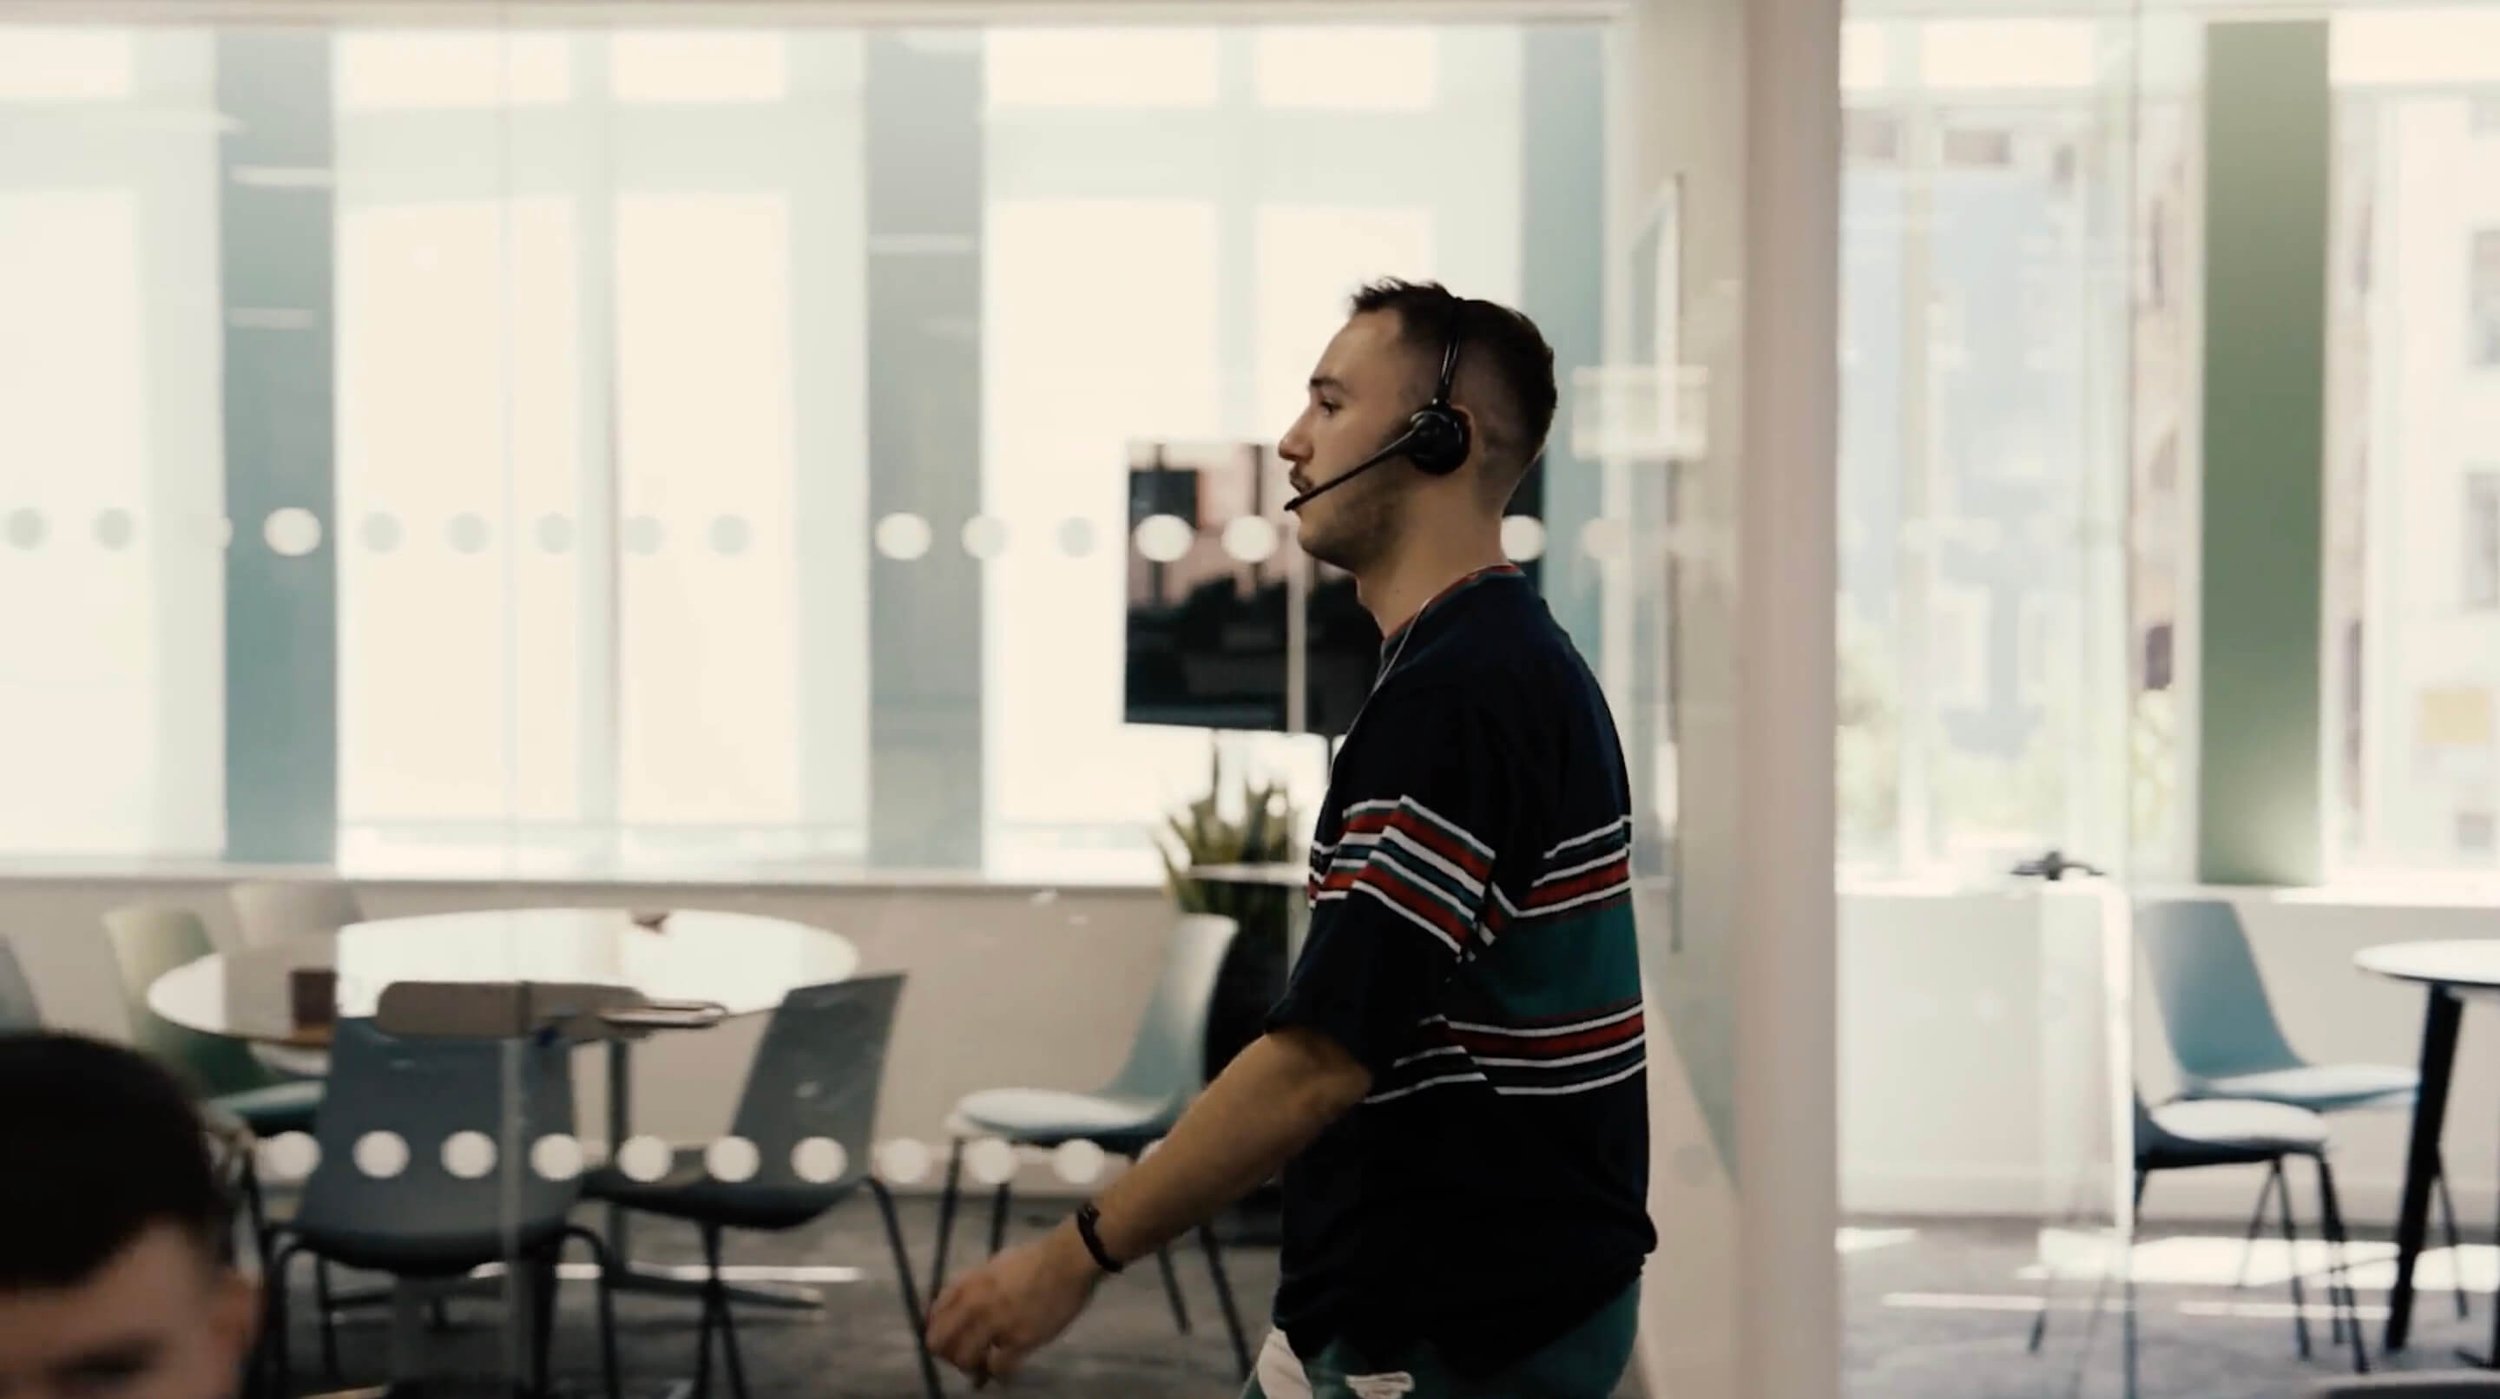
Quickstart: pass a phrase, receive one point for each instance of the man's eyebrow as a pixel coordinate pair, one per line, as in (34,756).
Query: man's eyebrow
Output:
(111,1355)
(1326,382)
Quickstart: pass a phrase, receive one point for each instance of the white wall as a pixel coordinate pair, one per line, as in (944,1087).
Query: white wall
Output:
(1007,985)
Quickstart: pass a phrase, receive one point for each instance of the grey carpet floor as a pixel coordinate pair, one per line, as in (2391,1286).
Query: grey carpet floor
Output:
(1932,1312)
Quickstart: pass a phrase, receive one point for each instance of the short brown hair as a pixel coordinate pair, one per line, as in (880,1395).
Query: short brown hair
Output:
(1490,337)
(106,1146)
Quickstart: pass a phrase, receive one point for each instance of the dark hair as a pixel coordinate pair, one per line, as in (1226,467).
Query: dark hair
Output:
(1489,336)
(104,1146)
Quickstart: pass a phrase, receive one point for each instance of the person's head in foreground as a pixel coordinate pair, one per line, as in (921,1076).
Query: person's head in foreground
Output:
(112,1285)
(1402,514)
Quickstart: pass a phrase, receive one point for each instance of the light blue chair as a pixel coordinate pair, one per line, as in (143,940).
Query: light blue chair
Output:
(149,940)
(1166,1070)
(2227,1043)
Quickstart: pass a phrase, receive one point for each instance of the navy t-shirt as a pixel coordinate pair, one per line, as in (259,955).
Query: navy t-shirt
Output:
(1471,942)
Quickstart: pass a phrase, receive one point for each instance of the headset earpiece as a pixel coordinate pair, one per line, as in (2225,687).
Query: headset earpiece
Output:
(1436,441)
(1436,437)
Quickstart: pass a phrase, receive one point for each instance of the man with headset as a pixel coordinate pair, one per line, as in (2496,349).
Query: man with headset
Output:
(1453,1085)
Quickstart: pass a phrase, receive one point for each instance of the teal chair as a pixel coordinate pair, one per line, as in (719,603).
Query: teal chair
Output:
(2227,1043)
(1166,1069)
(150,940)
(18,1010)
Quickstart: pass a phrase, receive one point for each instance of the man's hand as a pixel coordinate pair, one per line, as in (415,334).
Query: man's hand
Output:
(991,1318)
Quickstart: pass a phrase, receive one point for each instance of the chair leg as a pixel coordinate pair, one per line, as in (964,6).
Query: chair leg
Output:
(716,1298)
(2257,1222)
(1172,1289)
(2291,1245)
(1224,1298)
(2331,1220)
(911,1297)
(607,1305)
(274,1318)
(998,1217)
(329,1320)
(703,1345)
(543,1320)
(946,1217)
(2448,1221)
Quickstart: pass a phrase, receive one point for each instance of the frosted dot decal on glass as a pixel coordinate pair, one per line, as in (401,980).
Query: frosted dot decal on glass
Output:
(643,535)
(643,1159)
(1523,538)
(1078,1162)
(819,1161)
(732,1159)
(469,1155)
(731,535)
(292,532)
(381,1155)
(288,1157)
(1250,539)
(114,529)
(985,537)
(991,1161)
(557,1157)
(26,529)
(555,534)
(381,532)
(1163,538)
(903,1161)
(1606,539)
(466,533)
(902,537)
(1076,538)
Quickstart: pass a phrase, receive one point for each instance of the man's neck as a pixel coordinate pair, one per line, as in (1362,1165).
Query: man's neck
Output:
(1397,591)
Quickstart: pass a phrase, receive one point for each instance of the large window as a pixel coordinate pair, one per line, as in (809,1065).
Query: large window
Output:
(600,396)
(2414,586)
(2009,445)
(596,522)
(110,581)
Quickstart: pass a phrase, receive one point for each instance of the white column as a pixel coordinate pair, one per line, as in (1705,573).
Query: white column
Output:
(1737,103)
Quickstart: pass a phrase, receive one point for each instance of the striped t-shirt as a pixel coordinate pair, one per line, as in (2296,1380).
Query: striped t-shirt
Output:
(1471,942)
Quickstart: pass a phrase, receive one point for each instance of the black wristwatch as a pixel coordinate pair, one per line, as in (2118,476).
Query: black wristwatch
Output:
(1088,1226)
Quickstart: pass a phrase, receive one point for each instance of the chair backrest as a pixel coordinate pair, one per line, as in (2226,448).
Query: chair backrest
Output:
(424,1092)
(18,1010)
(148,941)
(818,1074)
(275,910)
(2213,1002)
(1167,1061)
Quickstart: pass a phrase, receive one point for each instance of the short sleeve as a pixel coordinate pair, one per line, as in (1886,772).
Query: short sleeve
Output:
(1397,897)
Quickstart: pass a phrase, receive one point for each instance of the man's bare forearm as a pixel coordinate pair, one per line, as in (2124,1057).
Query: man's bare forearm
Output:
(1275,1097)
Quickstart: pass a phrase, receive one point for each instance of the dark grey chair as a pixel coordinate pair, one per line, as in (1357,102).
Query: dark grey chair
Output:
(426,1224)
(18,1010)
(815,1078)
(2220,1132)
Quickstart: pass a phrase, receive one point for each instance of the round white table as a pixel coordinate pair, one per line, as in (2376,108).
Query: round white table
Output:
(2450,973)
(743,963)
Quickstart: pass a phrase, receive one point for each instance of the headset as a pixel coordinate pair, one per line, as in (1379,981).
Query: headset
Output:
(1435,440)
